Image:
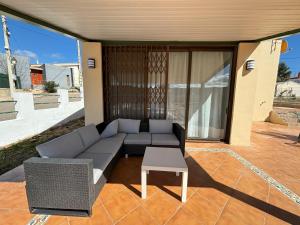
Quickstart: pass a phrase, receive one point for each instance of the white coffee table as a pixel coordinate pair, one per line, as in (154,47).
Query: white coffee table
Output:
(164,159)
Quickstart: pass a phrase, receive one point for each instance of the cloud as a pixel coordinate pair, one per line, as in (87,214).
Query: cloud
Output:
(27,53)
(56,56)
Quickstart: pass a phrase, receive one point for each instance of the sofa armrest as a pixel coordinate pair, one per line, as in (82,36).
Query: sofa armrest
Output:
(56,183)
(180,134)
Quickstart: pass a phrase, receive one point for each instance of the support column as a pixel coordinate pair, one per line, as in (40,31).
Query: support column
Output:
(92,83)
(254,90)
(244,95)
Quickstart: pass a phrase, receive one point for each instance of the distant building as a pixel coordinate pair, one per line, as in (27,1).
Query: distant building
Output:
(22,72)
(296,78)
(66,75)
(37,76)
(74,72)
(289,88)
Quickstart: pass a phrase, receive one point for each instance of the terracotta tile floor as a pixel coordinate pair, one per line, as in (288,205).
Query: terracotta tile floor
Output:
(221,190)
(274,149)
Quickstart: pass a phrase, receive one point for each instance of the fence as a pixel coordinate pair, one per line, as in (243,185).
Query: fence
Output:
(30,122)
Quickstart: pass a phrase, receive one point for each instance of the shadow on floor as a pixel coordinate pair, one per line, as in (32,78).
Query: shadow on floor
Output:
(279,135)
(198,177)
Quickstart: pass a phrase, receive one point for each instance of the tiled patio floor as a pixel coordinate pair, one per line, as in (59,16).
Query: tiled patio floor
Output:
(221,191)
(274,149)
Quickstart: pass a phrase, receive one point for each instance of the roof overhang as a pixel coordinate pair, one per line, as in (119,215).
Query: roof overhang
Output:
(162,20)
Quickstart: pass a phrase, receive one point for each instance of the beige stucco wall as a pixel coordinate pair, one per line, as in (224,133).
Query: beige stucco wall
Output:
(267,66)
(243,102)
(254,90)
(92,83)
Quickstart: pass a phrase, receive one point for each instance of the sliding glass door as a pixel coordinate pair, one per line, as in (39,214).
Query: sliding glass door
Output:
(209,94)
(198,92)
(177,86)
(188,85)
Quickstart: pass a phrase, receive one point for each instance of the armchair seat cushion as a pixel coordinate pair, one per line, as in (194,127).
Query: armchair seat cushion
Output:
(108,145)
(143,138)
(100,162)
(165,139)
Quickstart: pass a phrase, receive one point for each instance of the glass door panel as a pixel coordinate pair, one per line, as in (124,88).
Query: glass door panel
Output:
(177,86)
(209,94)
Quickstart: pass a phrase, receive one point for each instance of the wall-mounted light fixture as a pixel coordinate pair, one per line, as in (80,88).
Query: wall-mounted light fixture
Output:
(91,63)
(250,64)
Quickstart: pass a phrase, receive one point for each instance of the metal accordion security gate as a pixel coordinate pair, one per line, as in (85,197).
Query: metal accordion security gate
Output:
(135,81)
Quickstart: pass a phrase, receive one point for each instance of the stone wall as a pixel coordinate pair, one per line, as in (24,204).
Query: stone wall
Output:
(289,115)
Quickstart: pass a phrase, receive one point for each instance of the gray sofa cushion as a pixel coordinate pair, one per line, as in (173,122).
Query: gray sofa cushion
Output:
(164,139)
(160,127)
(143,138)
(66,146)
(110,130)
(100,162)
(108,145)
(129,126)
(89,135)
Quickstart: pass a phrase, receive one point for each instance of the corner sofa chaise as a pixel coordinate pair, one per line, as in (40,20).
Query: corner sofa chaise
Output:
(73,168)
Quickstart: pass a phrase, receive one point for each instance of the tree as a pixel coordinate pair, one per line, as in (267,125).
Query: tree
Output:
(284,72)
(50,86)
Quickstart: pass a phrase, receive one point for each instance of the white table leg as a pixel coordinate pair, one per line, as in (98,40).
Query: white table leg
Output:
(177,174)
(147,172)
(144,184)
(184,186)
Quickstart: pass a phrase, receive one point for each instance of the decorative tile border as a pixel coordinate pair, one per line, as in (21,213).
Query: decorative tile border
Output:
(280,187)
(38,220)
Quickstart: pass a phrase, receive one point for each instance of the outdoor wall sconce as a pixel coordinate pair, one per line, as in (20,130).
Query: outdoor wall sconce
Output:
(250,64)
(91,63)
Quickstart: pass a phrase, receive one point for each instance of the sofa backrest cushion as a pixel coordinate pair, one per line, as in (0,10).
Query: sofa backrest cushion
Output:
(129,126)
(89,135)
(160,126)
(67,146)
(110,130)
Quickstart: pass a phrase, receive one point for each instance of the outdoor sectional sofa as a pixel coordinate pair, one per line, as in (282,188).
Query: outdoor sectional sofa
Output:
(73,168)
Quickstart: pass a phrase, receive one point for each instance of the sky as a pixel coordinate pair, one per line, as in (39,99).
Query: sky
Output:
(292,56)
(39,44)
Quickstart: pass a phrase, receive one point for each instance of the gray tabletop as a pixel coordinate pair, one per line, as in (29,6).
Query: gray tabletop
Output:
(164,159)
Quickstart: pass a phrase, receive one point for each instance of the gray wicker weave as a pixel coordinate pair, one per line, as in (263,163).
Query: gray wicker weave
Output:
(63,186)
(60,184)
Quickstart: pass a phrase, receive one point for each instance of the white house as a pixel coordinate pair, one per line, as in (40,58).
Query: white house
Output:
(288,88)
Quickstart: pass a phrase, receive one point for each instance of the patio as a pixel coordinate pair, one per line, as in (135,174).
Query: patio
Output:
(221,189)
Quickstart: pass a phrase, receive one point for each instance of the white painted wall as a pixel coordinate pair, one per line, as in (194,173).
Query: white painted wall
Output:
(30,122)
(292,87)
